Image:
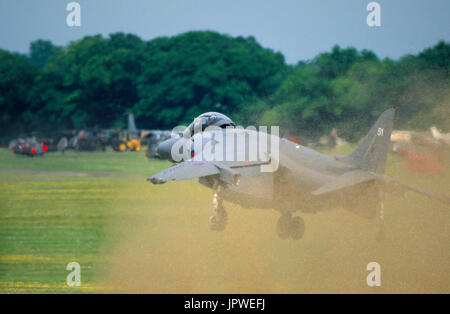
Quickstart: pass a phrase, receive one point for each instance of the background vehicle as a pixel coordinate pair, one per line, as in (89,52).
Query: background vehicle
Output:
(128,139)
(29,146)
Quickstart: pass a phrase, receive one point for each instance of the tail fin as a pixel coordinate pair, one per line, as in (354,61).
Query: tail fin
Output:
(131,125)
(371,153)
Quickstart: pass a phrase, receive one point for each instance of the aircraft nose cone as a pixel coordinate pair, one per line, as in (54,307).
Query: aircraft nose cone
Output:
(164,149)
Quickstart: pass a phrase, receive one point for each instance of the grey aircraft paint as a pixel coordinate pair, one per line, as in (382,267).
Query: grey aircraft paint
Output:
(305,180)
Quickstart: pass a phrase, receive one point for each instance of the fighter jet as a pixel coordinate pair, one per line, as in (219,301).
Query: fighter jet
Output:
(284,176)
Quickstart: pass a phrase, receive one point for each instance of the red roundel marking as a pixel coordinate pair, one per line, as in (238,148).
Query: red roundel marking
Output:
(371,150)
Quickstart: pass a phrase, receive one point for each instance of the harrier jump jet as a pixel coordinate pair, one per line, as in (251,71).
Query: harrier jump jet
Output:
(302,180)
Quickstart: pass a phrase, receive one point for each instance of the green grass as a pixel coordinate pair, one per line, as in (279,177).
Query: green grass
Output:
(48,220)
(125,162)
(129,235)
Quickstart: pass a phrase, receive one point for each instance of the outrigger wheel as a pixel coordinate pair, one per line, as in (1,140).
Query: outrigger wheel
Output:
(290,226)
(218,220)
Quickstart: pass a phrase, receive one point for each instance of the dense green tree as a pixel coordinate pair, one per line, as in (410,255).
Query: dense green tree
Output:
(347,89)
(41,51)
(96,81)
(309,99)
(339,61)
(196,72)
(437,57)
(92,83)
(17,75)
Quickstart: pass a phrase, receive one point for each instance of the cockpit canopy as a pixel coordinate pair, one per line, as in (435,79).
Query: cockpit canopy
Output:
(206,120)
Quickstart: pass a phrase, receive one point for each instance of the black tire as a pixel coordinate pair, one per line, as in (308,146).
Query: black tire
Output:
(216,224)
(297,228)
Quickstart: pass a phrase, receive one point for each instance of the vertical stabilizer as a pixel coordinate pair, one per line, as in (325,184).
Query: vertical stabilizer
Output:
(131,125)
(371,153)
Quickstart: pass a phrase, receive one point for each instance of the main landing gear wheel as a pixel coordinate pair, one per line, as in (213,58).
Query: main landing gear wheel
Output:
(218,220)
(290,226)
(297,228)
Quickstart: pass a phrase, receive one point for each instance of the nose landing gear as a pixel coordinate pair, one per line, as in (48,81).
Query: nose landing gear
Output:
(218,220)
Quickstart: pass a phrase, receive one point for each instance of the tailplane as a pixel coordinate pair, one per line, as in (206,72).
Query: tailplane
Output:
(131,124)
(371,153)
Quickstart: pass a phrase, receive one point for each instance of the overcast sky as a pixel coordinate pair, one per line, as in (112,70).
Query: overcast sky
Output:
(297,28)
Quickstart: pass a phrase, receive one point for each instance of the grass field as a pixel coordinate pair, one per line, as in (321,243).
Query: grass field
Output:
(131,236)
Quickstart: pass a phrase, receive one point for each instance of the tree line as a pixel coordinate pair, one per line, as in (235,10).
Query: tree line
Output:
(95,82)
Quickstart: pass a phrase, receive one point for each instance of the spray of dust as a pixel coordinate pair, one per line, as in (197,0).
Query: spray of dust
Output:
(160,243)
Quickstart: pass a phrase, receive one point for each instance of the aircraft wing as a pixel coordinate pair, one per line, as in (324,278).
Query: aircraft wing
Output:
(184,171)
(355,177)
(226,172)
(394,182)
(346,180)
